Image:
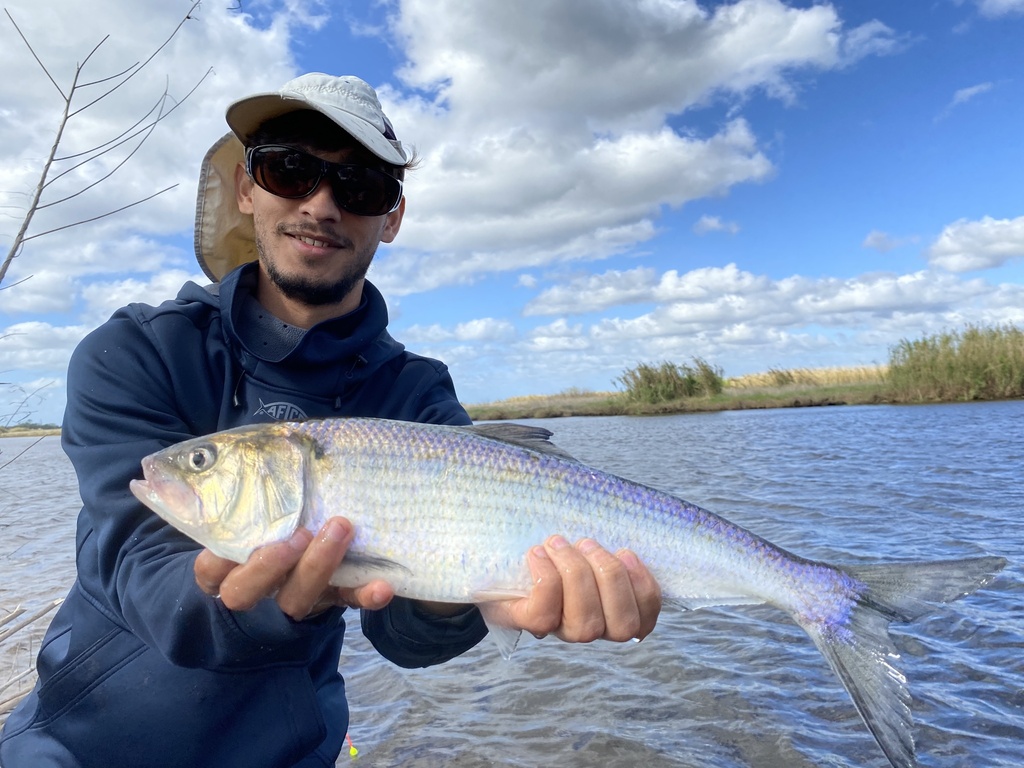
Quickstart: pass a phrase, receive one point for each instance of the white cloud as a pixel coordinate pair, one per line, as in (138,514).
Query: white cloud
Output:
(559,336)
(102,298)
(529,201)
(962,96)
(545,129)
(527,281)
(734,318)
(594,293)
(707,224)
(871,39)
(884,242)
(965,245)
(37,346)
(484,329)
(715,301)
(995,9)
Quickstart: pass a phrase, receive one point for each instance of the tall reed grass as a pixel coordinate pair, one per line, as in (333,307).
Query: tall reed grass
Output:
(810,377)
(648,383)
(977,363)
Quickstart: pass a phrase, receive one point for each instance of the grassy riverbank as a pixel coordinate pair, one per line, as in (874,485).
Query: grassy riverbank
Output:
(32,431)
(977,363)
(832,386)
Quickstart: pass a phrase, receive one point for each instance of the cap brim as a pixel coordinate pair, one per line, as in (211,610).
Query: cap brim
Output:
(246,115)
(224,236)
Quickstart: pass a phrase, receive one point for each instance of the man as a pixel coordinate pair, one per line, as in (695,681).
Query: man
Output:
(163,654)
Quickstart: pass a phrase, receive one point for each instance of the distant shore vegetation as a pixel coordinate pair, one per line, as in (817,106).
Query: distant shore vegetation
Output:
(976,363)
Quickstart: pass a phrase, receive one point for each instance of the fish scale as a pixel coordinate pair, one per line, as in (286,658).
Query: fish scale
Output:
(449,513)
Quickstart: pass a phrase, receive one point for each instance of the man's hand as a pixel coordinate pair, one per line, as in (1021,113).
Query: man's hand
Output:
(583,593)
(295,572)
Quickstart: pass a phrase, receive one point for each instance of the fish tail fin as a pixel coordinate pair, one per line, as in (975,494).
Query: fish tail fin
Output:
(861,652)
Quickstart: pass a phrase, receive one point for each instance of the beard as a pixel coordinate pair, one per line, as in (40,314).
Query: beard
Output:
(310,291)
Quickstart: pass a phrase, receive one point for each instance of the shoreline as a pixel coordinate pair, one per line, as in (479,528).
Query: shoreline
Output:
(571,404)
(731,399)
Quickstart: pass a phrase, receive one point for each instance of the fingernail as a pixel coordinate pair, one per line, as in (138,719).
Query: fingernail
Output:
(586,546)
(540,552)
(335,530)
(628,559)
(558,542)
(300,539)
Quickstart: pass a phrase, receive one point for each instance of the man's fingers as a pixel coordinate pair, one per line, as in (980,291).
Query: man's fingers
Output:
(211,570)
(372,596)
(582,617)
(646,590)
(264,571)
(584,592)
(308,580)
(621,616)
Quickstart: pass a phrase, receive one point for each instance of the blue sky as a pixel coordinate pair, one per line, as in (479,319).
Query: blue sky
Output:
(602,182)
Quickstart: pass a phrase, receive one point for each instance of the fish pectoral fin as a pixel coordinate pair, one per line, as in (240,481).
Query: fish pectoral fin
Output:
(497,594)
(374,562)
(694,603)
(357,569)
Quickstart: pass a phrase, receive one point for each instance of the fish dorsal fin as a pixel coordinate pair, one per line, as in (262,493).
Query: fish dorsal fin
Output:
(533,438)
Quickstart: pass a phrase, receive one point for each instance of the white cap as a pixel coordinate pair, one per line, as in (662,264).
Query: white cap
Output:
(350,102)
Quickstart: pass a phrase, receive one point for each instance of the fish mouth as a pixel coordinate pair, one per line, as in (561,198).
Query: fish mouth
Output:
(171,499)
(145,492)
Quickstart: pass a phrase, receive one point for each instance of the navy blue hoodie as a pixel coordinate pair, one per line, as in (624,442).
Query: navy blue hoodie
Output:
(141,668)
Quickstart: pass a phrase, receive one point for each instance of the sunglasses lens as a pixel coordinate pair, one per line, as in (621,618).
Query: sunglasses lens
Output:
(290,172)
(365,191)
(284,171)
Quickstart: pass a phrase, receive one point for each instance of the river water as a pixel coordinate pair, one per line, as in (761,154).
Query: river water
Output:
(714,688)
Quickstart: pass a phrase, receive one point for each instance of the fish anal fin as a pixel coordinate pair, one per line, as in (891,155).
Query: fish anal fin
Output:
(696,603)
(507,638)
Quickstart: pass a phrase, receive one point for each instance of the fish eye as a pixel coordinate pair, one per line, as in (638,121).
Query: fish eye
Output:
(201,458)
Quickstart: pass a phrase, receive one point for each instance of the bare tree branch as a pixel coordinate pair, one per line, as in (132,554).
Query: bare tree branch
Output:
(101,216)
(135,69)
(77,85)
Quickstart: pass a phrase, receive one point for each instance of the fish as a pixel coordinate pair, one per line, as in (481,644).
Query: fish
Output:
(448,514)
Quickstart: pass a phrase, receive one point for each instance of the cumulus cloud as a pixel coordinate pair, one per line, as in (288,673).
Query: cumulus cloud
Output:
(712,299)
(964,245)
(545,127)
(484,329)
(737,319)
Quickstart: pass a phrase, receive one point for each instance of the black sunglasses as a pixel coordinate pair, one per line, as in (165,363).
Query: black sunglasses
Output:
(292,173)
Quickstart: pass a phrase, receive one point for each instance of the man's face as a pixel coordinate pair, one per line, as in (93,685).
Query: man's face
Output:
(310,251)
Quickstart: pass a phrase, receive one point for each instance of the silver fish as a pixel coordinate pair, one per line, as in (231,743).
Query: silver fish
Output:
(448,514)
